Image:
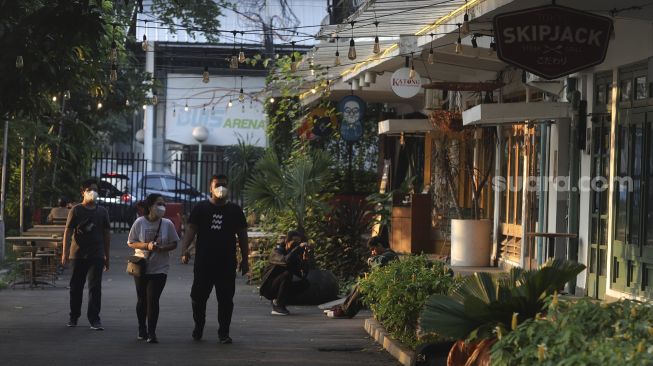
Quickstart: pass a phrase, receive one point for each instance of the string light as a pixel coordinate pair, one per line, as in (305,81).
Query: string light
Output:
(293,61)
(459,43)
(241,94)
(174,112)
(336,62)
(205,75)
(271,99)
(155,99)
(230,104)
(186,106)
(54,98)
(377,46)
(313,90)
(99,105)
(144,106)
(114,73)
(431,58)
(241,54)
(66,94)
(19,62)
(352,46)
(127,103)
(402,141)
(233,64)
(465,26)
(144,44)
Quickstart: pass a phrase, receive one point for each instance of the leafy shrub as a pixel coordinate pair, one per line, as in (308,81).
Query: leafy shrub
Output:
(396,293)
(582,333)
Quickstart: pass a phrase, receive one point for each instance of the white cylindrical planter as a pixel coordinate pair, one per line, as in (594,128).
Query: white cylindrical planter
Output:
(470,243)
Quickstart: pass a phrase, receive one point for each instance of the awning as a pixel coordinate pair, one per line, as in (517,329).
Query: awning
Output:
(396,126)
(496,114)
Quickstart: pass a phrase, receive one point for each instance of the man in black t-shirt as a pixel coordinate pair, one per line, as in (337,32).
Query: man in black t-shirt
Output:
(88,225)
(216,223)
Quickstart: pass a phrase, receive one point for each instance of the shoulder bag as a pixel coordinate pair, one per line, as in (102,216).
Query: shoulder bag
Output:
(137,266)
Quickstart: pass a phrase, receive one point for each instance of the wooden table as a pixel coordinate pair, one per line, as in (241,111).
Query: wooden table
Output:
(551,237)
(32,244)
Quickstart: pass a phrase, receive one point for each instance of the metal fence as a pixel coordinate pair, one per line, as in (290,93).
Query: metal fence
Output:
(124,180)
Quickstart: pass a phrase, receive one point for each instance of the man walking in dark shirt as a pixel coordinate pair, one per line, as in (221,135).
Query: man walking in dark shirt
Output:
(216,223)
(88,224)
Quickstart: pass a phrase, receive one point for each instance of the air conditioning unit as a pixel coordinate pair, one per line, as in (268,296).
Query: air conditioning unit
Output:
(434,99)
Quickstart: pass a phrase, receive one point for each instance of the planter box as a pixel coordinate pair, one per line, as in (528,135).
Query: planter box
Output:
(470,243)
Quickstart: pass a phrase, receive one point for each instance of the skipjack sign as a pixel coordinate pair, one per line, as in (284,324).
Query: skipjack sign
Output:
(403,85)
(552,41)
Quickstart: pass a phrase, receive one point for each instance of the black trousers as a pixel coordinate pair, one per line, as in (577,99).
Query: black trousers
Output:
(353,303)
(284,287)
(225,288)
(148,291)
(83,270)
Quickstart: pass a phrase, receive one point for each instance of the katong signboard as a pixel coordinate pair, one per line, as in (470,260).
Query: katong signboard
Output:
(552,41)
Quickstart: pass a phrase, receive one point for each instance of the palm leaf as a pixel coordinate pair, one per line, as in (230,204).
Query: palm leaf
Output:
(447,317)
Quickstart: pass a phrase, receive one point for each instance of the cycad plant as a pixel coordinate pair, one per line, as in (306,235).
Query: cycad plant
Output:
(484,302)
(293,187)
(242,158)
(484,306)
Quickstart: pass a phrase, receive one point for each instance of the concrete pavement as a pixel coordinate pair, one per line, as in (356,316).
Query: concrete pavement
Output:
(33,328)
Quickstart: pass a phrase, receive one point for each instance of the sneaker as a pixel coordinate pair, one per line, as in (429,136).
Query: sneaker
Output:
(97,326)
(142,334)
(72,323)
(280,310)
(337,313)
(197,332)
(152,339)
(225,340)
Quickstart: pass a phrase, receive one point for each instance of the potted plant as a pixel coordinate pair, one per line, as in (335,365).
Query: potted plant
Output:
(457,154)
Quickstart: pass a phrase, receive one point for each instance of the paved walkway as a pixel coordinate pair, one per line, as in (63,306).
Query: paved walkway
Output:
(33,331)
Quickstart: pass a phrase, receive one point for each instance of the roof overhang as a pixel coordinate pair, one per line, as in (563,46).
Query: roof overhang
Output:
(396,126)
(497,114)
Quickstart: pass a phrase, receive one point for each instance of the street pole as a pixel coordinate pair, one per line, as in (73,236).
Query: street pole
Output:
(22,187)
(3,192)
(199,167)
(148,117)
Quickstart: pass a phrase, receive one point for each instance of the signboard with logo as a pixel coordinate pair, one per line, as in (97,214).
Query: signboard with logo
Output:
(208,107)
(403,85)
(352,110)
(552,41)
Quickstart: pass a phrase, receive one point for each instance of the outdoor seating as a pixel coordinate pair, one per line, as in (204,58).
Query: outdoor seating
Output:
(38,259)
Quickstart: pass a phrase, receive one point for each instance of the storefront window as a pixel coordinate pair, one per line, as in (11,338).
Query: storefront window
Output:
(641,91)
(626,90)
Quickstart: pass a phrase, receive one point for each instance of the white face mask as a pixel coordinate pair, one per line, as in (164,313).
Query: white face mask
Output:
(220,192)
(90,196)
(160,210)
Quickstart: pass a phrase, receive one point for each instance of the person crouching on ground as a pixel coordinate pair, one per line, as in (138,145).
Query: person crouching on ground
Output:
(285,275)
(380,255)
(152,237)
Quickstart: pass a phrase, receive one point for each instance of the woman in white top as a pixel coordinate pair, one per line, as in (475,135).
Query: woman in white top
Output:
(152,237)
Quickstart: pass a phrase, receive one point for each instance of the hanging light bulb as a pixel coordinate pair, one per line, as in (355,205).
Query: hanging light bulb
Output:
(186,107)
(241,54)
(242,108)
(144,106)
(474,42)
(241,95)
(465,26)
(459,42)
(114,51)
(66,94)
(155,99)
(431,58)
(99,105)
(205,75)
(336,62)
(493,48)
(174,112)
(402,141)
(352,46)
(293,61)
(271,99)
(144,43)
(127,103)
(230,104)
(114,73)
(377,46)
(54,98)
(233,63)
(19,62)
(313,90)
